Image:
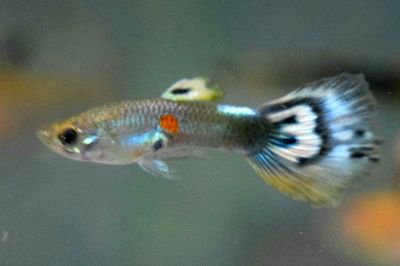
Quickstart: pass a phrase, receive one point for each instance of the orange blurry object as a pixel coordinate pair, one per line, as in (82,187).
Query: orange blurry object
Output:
(372,223)
(25,97)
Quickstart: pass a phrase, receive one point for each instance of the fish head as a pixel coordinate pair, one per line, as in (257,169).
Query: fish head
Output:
(79,139)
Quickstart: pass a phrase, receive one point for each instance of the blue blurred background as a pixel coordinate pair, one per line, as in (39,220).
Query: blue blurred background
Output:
(58,58)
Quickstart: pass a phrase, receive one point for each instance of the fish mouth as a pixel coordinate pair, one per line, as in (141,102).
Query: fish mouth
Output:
(44,136)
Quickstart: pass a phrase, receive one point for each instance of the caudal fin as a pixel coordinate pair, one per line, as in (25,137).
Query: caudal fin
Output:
(321,139)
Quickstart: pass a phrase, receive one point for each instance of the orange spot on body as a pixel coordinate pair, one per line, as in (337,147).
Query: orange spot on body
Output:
(169,123)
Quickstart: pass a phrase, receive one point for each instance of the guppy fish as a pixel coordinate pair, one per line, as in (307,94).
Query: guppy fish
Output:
(308,144)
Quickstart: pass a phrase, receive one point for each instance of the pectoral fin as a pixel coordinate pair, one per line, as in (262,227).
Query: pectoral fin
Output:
(180,153)
(156,167)
(195,89)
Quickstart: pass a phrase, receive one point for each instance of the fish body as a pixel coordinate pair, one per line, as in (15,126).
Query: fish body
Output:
(309,144)
(139,129)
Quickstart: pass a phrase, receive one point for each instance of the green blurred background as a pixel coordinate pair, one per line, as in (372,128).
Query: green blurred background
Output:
(58,58)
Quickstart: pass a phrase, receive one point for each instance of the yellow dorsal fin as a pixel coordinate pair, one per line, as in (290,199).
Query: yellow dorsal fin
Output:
(195,89)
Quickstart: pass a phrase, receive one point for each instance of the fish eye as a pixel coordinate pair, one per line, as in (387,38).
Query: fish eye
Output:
(68,137)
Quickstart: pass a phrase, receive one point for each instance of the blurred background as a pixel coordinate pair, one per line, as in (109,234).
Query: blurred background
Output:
(60,57)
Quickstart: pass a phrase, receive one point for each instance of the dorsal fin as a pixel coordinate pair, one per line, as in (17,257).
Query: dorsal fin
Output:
(195,89)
